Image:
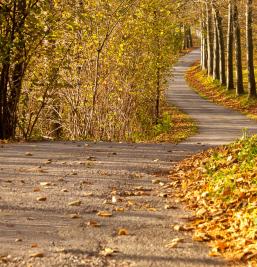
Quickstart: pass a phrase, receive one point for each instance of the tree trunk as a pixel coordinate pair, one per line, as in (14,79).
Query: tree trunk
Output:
(3,99)
(222,63)
(216,50)
(249,42)
(190,38)
(230,38)
(209,39)
(238,53)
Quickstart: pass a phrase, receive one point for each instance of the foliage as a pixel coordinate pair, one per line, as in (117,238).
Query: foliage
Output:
(93,69)
(174,126)
(221,185)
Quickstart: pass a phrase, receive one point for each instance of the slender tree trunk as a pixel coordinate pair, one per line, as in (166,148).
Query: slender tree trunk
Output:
(204,55)
(216,50)
(249,42)
(190,37)
(158,95)
(230,38)
(209,39)
(238,53)
(222,63)
(185,43)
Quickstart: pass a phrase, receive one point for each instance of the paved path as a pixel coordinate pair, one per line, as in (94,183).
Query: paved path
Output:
(217,125)
(113,177)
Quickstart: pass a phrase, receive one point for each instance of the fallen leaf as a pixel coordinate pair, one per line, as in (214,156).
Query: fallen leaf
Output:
(174,243)
(18,240)
(88,194)
(34,245)
(107,252)
(114,199)
(45,184)
(152,209)
(29,154)
(104,214)
(75,216)
(64,190)
(36,189)
(122,231)
(75,203)
(201,237)
(178,227)
(119,209)
(93,223)
(37,255)
(41,199)
(156,181)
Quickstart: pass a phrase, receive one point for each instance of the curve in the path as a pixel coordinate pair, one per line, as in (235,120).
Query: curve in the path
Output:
(217,124)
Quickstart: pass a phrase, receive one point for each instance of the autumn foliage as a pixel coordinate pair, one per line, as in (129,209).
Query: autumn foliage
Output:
(220,185)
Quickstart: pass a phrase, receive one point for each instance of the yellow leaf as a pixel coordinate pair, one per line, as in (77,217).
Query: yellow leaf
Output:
(122,231)
(104,214)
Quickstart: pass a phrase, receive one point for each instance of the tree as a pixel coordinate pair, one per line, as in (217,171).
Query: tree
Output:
(230,69)
(13,62)
(209,38)
(249,42)
(216,46)
(238,52)
(221,46)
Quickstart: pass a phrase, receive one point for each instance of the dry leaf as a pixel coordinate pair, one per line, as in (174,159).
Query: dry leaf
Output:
(152,209)
(45,184)
(163,195)
(36,189)
(156,181)
(201,237)
(93,223)
(75,203)
(88,194)
(119,209)
(122,231)
(104,214)
(29,154)
(37,255)
(174,243)
(64,190)
(75,216)
(178,227)
(107,252)
(41,199)
(114,199)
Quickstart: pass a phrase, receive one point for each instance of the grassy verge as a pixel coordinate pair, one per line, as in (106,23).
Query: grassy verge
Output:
(212,90)
(173,127)
(220,185)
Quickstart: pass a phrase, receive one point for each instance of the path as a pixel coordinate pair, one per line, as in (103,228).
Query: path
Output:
(92,173)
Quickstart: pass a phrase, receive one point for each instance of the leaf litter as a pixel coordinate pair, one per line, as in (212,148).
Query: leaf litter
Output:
(220,185)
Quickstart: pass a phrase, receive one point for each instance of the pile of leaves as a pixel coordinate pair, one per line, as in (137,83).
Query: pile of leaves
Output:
(220,185)
(211,89)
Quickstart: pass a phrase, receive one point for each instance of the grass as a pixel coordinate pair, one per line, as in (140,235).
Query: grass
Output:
(182,127)
(173,127)
(212,90)
(221,186)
